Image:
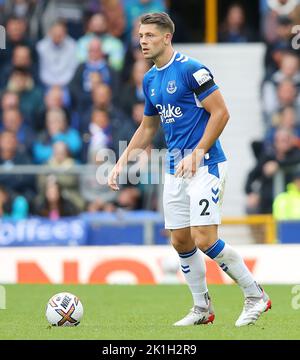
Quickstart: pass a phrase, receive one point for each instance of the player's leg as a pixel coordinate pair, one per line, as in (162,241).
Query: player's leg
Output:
(192,265)
(205,194)
(194,270)
(256,300)
(177,219)
(206,239)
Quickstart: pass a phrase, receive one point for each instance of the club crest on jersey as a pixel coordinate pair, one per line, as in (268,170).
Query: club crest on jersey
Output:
(171,88)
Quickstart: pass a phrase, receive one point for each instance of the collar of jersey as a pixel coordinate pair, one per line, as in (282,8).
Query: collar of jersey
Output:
(168,64)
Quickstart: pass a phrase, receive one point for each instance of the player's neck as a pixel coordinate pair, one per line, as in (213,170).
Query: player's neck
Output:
(164,58)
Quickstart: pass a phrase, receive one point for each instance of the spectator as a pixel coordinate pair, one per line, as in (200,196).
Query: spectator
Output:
(114,13)
(279,8)
(137,117)
(55,98)
(15,35)
(56,130)
(19,8)
(259,185)
(133,52)
(142,171)
(30,95)
(21,58)
(287,119)
(133,92)
(289,69)
(29,9)
(100,132)
(120,123)
(61,160)
(286,95)
(57,56)
(112,47)
(234,28)
(52,204)
(13,121)
(89,74)
(9,100)
(286,205)
(102,99)
(94,190)
(129,198)
(12,207)
(61,157)
(71,12)
(283,43)
(9,156)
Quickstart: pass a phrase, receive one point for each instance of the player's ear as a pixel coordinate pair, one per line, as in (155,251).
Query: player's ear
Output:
(168,38)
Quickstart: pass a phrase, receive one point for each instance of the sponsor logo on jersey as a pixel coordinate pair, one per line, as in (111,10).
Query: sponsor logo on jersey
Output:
(152,92)
(171,88)
(202,76)
(169,113)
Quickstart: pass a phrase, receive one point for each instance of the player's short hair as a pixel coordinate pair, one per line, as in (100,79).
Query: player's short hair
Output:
(161,19)
(60,23)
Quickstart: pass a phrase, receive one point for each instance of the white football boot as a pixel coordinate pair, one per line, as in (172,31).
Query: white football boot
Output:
(254,307)
(198,316)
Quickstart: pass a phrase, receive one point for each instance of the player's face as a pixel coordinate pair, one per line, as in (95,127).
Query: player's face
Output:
(153,41)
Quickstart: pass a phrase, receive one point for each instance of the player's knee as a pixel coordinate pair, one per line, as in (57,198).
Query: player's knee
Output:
(182,243)
(202,238)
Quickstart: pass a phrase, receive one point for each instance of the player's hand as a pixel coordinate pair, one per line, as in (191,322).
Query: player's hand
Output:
(189,165)
(112,178)
(253,201)
(270,168)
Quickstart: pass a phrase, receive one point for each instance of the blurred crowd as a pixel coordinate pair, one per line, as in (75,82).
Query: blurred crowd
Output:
(71,84)
(277,153)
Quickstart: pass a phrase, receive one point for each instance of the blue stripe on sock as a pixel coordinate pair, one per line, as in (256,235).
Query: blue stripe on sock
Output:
(186,271)
(189,254)
(215,249)
(185,267)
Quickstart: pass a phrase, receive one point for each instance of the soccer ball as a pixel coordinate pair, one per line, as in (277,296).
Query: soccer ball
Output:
(64,309)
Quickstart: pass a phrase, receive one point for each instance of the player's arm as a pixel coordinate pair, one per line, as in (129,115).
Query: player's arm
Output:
(139,142)
(215,105)
(141,138)
(219,116)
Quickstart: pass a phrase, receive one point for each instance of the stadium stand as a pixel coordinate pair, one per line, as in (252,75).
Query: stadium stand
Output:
(71,85)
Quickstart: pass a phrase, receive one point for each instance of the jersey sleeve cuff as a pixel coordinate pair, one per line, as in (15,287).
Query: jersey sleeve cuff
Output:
(207,92)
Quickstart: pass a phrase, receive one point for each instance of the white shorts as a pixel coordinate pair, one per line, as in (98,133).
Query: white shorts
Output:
(195,201)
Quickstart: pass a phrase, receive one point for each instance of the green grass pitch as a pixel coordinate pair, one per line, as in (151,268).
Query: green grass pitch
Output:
(143,312)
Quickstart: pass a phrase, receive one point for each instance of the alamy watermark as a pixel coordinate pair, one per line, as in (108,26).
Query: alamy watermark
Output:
(145,166)
(296,38)
(296,298)
(2,298)
(2,37)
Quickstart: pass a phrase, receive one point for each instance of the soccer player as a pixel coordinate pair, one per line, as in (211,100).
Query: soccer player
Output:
(181,94)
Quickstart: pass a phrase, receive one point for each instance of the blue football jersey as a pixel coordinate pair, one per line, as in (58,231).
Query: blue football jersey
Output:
(174,92)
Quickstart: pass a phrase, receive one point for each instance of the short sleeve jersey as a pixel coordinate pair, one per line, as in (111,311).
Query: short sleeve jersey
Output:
(174,92)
